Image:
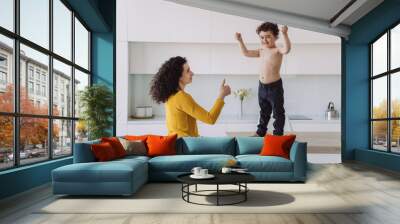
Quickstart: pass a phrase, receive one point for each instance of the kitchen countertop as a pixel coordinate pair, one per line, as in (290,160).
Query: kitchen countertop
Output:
(228,119)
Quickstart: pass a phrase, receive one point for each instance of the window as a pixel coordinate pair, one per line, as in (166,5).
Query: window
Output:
(62,75)
(35,21)
(6,74)
(30,87)
(55,126)
(43,90)
(3,61)
(3,78)
(385,94)
(6,142)
(37,74)
(30,72)
(7,14)
(81,45)
(62,137)
(33,149)
(62,31)
(81,81)
(37,89)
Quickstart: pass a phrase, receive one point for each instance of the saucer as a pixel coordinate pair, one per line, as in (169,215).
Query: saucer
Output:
(208,176)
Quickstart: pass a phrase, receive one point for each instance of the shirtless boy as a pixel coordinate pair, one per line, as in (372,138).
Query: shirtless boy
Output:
(270,90)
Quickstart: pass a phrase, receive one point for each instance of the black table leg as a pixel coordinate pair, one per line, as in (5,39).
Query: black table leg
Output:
(245,193)
(217,194)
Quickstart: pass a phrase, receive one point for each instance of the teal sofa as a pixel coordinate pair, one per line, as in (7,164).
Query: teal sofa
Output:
(125,176)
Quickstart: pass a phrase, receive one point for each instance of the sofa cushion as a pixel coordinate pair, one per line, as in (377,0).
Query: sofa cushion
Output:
(185,163)
(129,159)
(257,163)
(135,147)
(103,152)
(116,145)
(111,171)
(161,145)
(206,145)
(249,145)
(277,145)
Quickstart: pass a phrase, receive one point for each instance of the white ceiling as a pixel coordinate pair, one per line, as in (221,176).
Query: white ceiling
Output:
(313,15)
(320,9)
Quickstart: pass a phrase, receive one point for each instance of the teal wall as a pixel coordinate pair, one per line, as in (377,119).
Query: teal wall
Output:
(99,16)
(103,64)
(355,85)
(24,178)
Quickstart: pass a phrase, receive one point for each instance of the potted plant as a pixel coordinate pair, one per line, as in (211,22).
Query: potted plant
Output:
(96,102)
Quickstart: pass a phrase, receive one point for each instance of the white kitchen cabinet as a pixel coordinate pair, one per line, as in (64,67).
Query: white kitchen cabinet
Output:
(315,125)
(314,59)
(226,59)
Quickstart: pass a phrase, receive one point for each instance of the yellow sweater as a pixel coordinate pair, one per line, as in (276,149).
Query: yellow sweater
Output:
(182,112)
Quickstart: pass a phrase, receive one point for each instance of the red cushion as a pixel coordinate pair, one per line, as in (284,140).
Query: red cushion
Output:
(161,145)
(116,145)
(103,151)
(275,145)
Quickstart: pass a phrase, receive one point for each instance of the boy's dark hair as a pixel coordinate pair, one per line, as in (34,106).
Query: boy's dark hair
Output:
(267,26)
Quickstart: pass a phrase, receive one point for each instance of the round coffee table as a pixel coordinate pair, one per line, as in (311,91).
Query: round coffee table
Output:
(238,179)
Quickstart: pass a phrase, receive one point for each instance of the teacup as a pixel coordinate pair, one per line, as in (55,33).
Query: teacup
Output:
(203,172)
(196,170)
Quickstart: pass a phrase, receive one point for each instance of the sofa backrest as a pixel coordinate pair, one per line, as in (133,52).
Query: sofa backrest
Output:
(190,146)
(206,145)
(83,152)
(249,145)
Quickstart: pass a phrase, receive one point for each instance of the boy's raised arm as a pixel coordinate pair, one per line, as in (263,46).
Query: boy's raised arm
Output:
(245,52)
(286,42)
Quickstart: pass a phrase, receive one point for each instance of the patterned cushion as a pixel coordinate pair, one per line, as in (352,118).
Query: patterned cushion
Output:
(136,147)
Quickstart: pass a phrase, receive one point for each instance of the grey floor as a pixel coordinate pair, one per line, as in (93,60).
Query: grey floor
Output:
(378,189)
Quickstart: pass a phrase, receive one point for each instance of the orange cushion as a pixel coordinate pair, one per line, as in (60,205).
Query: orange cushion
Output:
(116,145)
(136,137)
(161,145)
(275,145)
(103,151)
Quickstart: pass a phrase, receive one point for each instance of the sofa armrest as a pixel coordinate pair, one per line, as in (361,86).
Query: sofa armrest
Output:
(83,152)
(298,155)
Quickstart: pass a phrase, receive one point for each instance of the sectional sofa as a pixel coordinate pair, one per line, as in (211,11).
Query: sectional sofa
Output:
(125,176)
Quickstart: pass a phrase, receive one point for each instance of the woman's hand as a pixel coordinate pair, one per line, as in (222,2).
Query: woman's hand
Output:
(224,90)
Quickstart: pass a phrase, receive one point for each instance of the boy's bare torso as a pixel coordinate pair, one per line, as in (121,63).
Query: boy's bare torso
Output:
(270,65)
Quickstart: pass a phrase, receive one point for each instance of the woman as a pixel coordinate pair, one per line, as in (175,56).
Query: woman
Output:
(168,86)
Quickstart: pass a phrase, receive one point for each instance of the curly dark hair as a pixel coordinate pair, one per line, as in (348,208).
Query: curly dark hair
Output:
(166,82)
(267,26)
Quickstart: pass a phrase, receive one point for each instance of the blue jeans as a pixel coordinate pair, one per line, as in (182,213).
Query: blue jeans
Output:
(271,100)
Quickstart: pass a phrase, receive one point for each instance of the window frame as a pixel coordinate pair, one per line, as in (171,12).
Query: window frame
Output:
(16,114)
(388,74)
